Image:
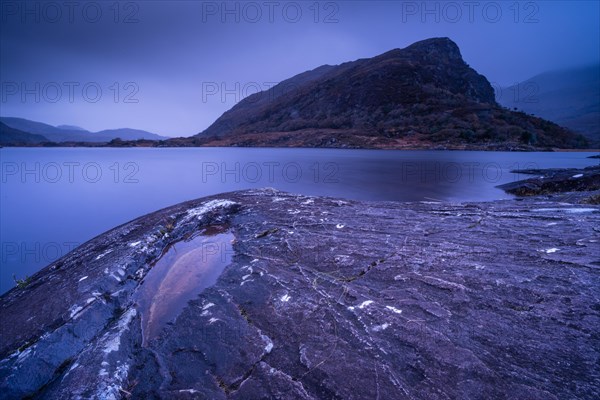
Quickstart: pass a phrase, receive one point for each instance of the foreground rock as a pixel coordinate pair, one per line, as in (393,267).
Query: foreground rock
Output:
(560,180)
(323,298)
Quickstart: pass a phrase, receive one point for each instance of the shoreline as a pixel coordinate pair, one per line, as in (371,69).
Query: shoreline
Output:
(100,145)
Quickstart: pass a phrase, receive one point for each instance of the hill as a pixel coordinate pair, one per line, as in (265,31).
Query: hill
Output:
(69,133)
(422,96)
(569,97)
(11,137)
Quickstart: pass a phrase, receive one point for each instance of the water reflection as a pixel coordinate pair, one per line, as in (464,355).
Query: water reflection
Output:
(180,275)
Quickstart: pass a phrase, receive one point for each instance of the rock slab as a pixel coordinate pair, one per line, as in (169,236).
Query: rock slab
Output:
(324,299)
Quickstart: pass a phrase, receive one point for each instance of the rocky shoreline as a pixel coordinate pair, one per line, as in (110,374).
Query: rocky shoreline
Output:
(312,139)
(323,298)
(583,184)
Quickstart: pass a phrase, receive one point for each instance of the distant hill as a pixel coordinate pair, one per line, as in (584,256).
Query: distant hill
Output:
(71,127)
(11,136)
(570,98)
(75,134)
(129,134)
(422,96)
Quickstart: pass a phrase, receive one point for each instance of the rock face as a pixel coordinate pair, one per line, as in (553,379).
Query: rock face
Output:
(550,181)
(420,96)
(323,298)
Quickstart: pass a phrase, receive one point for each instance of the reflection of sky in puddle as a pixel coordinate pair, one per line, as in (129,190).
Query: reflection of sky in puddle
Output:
(180,275)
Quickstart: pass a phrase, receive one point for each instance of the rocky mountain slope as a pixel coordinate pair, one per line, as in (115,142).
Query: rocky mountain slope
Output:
(320,299)
(421,96)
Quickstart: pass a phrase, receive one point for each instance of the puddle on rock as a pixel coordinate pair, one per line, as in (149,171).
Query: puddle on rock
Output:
(180,275)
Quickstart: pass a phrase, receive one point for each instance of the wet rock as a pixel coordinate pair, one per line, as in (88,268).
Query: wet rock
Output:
(550,181)
(323,298)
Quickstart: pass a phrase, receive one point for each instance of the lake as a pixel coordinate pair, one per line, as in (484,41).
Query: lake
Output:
(53,199)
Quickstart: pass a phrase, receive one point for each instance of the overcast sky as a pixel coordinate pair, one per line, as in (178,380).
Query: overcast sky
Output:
(174,67)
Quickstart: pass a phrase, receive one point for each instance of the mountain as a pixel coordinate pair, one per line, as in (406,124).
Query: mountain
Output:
(68,133)
(569,97)
(11,136)
(71,127)
(129,134)
(53,133)
(422,96)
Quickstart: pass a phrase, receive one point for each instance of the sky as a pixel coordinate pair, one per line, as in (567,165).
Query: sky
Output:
(174,67)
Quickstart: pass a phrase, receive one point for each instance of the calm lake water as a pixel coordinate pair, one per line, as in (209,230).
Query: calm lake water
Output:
(55,199)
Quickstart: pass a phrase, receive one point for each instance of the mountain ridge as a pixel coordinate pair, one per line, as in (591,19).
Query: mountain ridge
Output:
(424,95)
(569,97)
(69,133)
(11,136)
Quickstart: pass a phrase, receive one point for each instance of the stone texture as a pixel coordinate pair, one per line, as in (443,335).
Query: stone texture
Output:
(324,298)
(559,180)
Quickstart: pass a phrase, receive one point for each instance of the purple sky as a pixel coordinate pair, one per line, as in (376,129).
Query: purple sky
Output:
(174,67)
